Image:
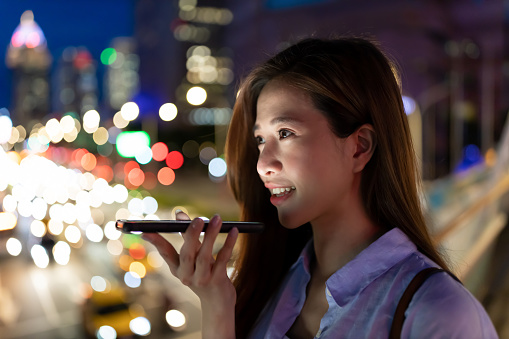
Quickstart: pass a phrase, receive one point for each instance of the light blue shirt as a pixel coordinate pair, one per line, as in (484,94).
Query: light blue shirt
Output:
(363,296)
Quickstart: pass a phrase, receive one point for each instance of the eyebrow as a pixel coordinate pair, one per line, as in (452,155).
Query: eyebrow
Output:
(279,120)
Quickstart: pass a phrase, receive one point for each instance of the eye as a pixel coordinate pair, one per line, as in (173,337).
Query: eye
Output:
(284,133)
(259,140)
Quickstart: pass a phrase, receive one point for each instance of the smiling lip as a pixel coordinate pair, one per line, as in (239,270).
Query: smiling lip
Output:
(280,190)
(280,194)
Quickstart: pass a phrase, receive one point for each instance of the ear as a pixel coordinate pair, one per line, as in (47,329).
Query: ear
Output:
(364,139)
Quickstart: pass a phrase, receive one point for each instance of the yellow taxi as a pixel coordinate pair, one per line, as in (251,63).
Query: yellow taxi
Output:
(110,312)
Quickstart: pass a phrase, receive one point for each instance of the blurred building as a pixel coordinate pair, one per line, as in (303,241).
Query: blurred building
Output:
(30,60)
(122,78)
(451,53)
(182,45)
(76,82)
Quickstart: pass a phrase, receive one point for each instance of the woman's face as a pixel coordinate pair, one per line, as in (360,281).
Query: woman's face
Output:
(307,168)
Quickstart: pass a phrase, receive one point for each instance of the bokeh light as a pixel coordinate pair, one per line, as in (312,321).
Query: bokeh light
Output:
(108,56)
(14,136)
(100,136)
(115,247)
(144,155)
(72,234)
(106,332)
(166,176)
(40,256)
(149,205)
(217,167)
(129,144)
(120,193)
(136,177)
(5,128)
(91,120)
(38,228)
(54,130)
(13,246)
(8,221)
(67,124)
(154,259)
(196,95)
(132,279)
(62,253)
(174,160)
(138,268)
(130,111)
(98,283)
(94,233)
(140,326)
(137,251)
(168,112)
(176,319)
(135,206)
(111,232)
(125,261)
(88,161)
(55,227)
(159,151)
(119,121)
(207,154)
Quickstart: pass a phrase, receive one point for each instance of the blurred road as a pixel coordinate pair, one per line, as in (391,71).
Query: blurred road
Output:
(48,303)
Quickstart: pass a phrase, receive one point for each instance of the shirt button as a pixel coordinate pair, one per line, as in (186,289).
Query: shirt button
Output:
(328,292)
(319,333)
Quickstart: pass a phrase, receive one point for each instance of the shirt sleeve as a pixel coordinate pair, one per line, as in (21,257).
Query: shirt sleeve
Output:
(443,308)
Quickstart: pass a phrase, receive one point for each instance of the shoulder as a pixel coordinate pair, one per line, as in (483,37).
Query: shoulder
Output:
(444,308)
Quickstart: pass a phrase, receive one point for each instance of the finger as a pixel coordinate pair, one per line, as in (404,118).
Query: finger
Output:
(193,231)
(164,248)
(211,234)
(224,255)
(189,251)
(179,215)
(205,260)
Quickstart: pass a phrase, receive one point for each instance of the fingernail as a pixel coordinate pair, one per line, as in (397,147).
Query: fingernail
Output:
(177,211)
(194,223)
(215,220)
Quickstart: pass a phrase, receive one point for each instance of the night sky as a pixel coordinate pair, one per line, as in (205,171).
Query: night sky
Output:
(89,23)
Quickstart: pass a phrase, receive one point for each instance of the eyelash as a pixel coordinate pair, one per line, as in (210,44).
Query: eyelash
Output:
(259,140)
(284,130)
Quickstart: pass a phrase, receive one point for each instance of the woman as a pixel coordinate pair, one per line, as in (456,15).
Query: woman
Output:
(319,150)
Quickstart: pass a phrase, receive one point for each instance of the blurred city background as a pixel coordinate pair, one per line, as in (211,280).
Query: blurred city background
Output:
(117,109)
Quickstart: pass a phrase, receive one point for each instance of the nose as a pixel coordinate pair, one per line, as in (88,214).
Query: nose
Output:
(269,162)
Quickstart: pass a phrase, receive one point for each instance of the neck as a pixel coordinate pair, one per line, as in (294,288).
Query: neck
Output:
(338,241)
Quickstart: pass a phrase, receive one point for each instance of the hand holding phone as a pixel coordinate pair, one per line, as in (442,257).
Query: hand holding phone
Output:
(175,226)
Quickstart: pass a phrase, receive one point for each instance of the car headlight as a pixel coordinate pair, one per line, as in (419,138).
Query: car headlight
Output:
(106,332)
(140,326)
(176,319)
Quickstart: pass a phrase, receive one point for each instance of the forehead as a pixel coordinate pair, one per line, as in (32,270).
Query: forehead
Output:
(278,99)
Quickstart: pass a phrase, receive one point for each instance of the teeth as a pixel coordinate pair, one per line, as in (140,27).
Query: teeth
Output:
(279,190)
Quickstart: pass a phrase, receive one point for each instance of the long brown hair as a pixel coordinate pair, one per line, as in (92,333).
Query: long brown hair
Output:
(352,82)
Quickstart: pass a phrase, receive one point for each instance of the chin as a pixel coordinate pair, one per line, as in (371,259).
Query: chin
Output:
(289,220)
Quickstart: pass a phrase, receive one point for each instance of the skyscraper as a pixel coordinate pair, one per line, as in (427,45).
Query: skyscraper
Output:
(30,61)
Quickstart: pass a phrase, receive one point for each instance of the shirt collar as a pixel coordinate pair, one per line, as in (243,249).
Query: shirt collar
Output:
(306,255)
(368,265)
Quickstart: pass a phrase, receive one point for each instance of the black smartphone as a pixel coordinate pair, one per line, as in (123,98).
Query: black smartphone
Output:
(174,226)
